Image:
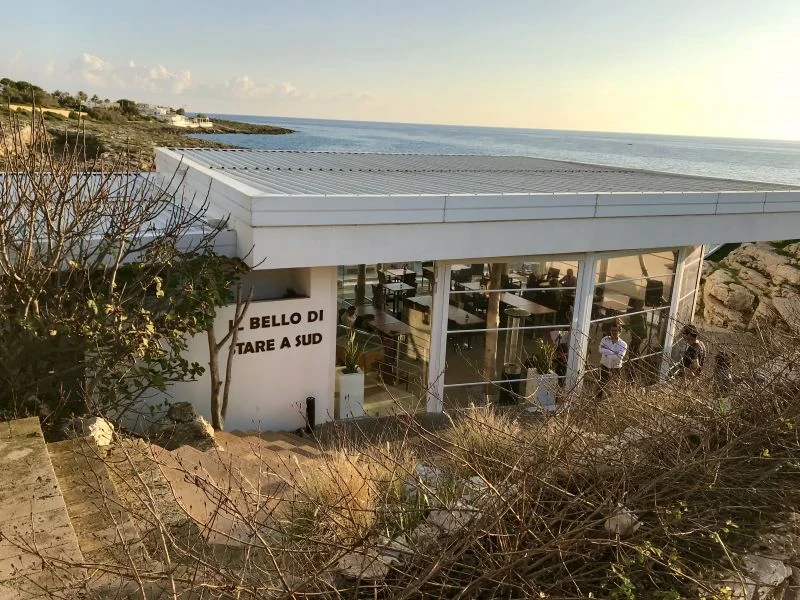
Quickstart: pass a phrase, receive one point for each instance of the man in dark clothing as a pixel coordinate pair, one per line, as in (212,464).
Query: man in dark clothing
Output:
(695,353)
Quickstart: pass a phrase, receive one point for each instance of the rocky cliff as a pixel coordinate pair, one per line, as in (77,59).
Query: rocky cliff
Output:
(755,283)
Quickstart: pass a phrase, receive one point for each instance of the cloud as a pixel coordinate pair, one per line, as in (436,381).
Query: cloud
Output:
(50,67)
(156,80)
(160,79)
(92,69)
(242,86)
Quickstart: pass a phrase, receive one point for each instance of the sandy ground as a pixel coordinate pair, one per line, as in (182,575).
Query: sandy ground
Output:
(59,111)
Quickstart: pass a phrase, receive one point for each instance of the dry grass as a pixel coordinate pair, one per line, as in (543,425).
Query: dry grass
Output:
(484,442)
(705,475)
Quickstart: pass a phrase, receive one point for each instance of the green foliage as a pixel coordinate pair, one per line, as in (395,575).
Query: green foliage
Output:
(542,356)
(22,92)
(108,115)
(51,116)
(96,309)
(128,107)
(352,351)
(180,111)
(73,115)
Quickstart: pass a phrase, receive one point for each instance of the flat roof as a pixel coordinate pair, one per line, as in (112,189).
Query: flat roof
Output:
(296,173)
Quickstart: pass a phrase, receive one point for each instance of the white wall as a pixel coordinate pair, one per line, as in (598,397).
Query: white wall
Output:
(269,387)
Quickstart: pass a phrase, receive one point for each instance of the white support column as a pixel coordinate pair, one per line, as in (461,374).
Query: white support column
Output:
(438,351)
(677,292)
(581,320)
(696,282)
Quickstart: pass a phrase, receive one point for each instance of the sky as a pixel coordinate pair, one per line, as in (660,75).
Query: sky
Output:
(727,68)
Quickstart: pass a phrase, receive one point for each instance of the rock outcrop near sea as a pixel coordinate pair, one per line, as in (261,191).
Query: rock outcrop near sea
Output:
(755,285)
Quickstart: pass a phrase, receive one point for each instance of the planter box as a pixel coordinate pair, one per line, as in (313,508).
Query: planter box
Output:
(541,389)
(349,403)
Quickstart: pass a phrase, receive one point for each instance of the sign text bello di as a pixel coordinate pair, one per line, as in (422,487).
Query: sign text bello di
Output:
(280,343)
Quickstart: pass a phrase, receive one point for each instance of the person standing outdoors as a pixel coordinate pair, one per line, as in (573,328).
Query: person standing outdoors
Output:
(612,352)
(694,356)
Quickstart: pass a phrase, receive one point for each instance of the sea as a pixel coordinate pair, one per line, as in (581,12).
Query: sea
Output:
(770,161)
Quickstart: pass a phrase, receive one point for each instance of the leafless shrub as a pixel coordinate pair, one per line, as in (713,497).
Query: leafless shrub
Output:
(647,493)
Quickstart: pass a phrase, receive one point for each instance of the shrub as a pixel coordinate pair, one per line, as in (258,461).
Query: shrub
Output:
(335,500)
(485,442)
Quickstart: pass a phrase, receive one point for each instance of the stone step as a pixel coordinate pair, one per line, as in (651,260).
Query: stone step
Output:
(102,524)
(282,441)
(271,463)
(137,470)
(213,490)
(34,521)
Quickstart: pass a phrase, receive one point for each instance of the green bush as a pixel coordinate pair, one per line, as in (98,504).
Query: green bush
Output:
(108,115)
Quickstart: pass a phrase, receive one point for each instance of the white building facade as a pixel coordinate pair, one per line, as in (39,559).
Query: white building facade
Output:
(471,238)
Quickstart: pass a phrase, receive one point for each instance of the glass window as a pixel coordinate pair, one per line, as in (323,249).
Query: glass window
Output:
(503,318)
(691,269)
(389,306)
(635,291)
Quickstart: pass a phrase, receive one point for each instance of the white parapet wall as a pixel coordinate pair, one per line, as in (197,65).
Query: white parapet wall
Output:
(285,353)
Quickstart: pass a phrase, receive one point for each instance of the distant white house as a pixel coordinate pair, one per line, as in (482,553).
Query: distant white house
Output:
(153,110)
(202,122)
(188,122)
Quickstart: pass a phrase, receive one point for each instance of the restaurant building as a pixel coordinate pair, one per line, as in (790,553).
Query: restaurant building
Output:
(464,271)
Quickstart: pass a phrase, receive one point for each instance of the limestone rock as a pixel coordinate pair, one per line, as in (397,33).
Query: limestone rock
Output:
(425,533)
(740,298)
(753,280)
(425,479)
(793,250)
(364,565)
(755,283)
(761,257)
(450,520)
(182,426)
(789,311)
(765,314)
(622,523)
(97,428)
(717,314)
(181,412)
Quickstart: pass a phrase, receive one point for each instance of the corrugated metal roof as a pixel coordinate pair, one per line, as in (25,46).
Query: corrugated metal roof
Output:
(290,173)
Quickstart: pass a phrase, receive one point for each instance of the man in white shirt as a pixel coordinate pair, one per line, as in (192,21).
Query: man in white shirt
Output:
(612,352)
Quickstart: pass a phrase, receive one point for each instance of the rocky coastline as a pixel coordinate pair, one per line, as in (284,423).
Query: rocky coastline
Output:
(125,144)
(755,285)
(226,126)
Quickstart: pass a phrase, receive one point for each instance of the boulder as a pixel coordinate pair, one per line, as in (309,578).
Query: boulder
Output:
(451,520)
(425,479)
(182,426)
(622,523)
(364,565)
(788,309)
(743,288)
(97,428)
(740,298)
(793,250)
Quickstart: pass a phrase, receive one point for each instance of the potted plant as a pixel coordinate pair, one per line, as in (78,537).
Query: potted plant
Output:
(350,380)
(542,382)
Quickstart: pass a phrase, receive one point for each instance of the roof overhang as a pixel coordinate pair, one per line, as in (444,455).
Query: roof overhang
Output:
(291,230)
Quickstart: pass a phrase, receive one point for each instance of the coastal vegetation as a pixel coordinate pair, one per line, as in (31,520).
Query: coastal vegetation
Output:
(681,490)
(101,280)
(110,130)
